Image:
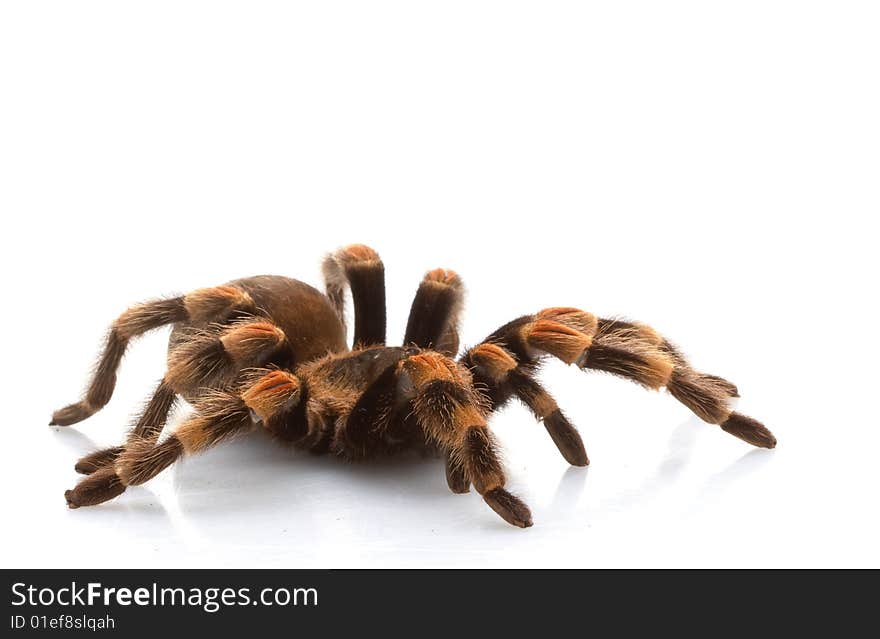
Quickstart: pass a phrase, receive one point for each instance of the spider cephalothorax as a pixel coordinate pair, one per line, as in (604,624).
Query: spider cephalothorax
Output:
(270,353)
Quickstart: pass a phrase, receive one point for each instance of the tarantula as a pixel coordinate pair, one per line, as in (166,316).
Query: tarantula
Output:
(269,353)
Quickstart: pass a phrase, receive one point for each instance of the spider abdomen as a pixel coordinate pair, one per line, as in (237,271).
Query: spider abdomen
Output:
(279,318)
(304,314)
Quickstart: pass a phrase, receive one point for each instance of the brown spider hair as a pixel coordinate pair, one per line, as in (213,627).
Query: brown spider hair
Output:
(269,353)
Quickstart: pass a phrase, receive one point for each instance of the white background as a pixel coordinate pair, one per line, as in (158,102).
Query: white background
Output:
(709,168)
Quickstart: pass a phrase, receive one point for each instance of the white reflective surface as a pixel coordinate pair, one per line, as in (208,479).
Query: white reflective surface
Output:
(663,489)
(708,170)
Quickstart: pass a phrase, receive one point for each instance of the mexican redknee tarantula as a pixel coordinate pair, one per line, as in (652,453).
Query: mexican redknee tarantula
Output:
(270,353)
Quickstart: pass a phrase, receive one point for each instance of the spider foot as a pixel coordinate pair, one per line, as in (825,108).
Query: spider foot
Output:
(72,414)
(100,486)
(97,460)
(456,479)
(511,509)
(749,430)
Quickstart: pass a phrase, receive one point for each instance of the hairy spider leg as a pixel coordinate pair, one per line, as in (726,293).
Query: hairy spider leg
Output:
(214,356)
(360,268)
(149,425)
(434,314)
(200,306)
(506,362)
(451,413)
(205,357)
